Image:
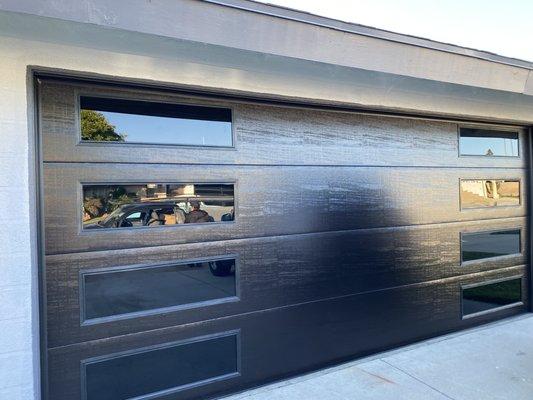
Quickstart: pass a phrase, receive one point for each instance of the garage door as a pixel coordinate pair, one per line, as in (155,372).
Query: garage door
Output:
(196,246)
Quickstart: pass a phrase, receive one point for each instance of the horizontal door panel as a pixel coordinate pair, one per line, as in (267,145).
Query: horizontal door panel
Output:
(266,135)
(163,370)
(107,293)
(286,341)
(271,201)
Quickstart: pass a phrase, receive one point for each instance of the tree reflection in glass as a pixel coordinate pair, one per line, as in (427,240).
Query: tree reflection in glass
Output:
(133,121)
(484,142)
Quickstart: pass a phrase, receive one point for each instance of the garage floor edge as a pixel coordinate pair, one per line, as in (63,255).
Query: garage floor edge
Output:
(491,362)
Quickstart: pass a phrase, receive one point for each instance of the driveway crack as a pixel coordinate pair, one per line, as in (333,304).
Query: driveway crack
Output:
(417,379)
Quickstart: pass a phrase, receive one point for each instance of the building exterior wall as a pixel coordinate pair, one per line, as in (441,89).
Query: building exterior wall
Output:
(33,41)
(205,22)
(140,57)
(19,337)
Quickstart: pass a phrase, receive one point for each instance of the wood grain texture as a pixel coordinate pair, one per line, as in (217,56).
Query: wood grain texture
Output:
(280,342)
(270,201)
(268,135)
(276,272)
(347,234)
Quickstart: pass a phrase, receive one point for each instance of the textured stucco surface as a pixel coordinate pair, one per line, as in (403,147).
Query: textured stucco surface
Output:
(18,294)
(209,23)
(112,52)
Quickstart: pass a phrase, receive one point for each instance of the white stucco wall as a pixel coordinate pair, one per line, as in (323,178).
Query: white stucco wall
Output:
(34,41)
(19,339)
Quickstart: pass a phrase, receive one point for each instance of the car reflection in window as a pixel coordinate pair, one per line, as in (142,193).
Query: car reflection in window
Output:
(136,207)
(156,214)
(219,267)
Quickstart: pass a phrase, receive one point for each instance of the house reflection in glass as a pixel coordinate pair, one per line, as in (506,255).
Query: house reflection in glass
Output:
(477,193)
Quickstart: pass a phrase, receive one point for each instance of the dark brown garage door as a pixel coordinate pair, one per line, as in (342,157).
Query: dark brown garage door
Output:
(195,247)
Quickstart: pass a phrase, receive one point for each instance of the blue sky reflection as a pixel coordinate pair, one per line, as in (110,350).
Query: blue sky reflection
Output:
(165,130)
(493,146)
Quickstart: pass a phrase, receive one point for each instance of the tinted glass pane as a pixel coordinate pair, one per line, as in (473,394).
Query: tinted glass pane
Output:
(482,142)
(129,121)
(494,295)
(489,193)
(153,371)
(142,289)
(481,245)
(156,204)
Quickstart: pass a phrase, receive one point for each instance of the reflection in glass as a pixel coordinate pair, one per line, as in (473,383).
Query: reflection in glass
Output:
(156,204)
(125,291)
(131,121)
(479,245)
(486,297)
(152,371)
(483,142)
(489,193)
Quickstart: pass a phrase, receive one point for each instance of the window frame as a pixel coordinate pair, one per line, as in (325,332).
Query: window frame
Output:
(495,309)
(138,97)
(155,311)
(517,130)
(519,180)
(161,346)
(481,260)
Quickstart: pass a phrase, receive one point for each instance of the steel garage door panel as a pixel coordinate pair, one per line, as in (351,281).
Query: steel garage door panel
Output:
(271,201)
(337,235)
(277,342)
(274,272)
(268,135)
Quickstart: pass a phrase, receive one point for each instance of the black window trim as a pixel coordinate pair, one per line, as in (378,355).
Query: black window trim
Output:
(81,184)
(137,96)
(149,396)
(156,311)
(519,180)
(516,130)
(494,258)
(496,309)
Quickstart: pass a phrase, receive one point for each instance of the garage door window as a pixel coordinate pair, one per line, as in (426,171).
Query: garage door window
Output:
(129,291)
(482,245)
(132,121)
(484,142)
(155,205)
(479,193)
(161,370)
(491,296)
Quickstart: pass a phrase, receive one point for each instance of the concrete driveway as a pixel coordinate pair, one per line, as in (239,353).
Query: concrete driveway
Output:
(493,362)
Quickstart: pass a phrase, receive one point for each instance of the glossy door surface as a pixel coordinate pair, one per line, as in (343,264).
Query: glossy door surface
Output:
(333,235)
